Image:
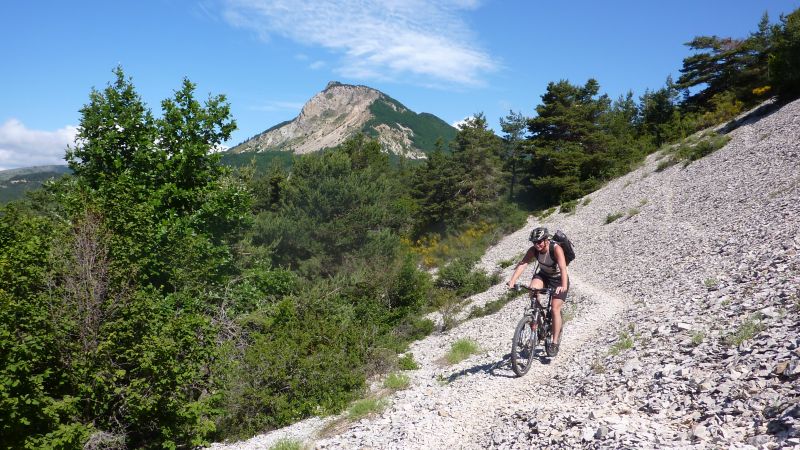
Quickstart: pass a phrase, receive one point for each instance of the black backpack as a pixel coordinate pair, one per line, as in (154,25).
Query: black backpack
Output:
(561,239)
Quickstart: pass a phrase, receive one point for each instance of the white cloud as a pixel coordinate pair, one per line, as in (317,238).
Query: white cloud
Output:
(23,147)
(316,65)
(417,40)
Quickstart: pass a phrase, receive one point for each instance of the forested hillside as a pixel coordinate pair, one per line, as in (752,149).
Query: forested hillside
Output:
(157,299)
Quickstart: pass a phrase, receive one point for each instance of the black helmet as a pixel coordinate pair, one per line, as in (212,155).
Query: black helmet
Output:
(538,234)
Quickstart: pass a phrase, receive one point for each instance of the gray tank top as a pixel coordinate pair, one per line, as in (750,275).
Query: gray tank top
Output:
(547,265)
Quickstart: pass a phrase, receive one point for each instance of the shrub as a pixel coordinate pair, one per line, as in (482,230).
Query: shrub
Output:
(666,163)
(568,207)
(396,381)
(287,444)
(625,342)
(365,407)
(707,145)
(747,330)
(546,213)
(406,362)
(494,305)
(612,217)
(458,276)
(299,356)
(697,338)
(461,350)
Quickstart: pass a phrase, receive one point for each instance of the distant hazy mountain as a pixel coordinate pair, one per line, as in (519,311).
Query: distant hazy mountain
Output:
(341,111)
(15,182)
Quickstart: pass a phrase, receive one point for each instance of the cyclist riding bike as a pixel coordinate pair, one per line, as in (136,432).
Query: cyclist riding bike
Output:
(552,273)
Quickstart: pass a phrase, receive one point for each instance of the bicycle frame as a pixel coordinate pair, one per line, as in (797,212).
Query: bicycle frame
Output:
(535,326)
(535,306)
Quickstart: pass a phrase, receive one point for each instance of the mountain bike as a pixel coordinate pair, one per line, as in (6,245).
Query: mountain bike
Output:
(535,327)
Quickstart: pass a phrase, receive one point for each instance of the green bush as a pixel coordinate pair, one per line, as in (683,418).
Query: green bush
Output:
(625,342)
(365,407)
(458,276)
(707,145)
(302,355)
(613,217)
(396,381)
(461,350)
(407,362)
(287,444)
(494,305)
(745,331)
(568,207)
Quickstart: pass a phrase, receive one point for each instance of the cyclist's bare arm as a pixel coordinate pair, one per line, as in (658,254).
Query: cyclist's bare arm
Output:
(562,265)
(521,266)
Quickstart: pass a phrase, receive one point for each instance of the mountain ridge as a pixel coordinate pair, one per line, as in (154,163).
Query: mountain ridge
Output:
(339,112)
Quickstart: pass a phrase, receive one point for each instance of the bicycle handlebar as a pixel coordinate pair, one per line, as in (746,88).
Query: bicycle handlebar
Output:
(534,290)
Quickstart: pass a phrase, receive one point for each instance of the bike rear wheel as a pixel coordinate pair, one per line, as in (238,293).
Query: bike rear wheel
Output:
(523,345)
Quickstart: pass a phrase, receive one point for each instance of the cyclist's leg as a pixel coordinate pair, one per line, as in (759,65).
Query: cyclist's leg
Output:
(555,313)
(537,282)
(556,307)
(556,304)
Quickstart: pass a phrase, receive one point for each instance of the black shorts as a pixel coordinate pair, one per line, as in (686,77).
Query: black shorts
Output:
(552,283)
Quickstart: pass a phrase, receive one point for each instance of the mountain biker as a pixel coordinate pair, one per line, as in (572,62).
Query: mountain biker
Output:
(552,273)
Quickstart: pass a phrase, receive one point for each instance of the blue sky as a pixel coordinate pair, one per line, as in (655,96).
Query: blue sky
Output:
(452,58)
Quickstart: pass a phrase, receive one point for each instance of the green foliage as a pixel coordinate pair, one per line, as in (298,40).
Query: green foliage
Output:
(427,127)
(302,355)
(461,350)
(340,206)
(261,161)
(494,305)
(459,277)
(108,331)
(15,183)
(287,444)
(578,140)
(513,125)
(365,407)
(547,213)
(784,61)
(697,338)
(30,388)
(407,362)
(692,149)
(625,342)
(745,331)
(569,207)
(613,217)
(396,381)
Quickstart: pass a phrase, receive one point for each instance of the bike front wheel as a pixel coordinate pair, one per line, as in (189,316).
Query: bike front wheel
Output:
(525,341)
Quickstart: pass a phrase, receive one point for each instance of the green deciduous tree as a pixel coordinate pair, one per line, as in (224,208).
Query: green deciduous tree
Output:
(131,256)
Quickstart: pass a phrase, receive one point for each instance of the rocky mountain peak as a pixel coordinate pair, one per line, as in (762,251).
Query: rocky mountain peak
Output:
(339,112)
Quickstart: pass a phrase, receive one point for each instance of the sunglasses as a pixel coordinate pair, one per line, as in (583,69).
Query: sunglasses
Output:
(538,242)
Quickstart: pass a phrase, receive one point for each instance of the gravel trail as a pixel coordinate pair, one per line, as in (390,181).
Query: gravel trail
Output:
(686,330)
